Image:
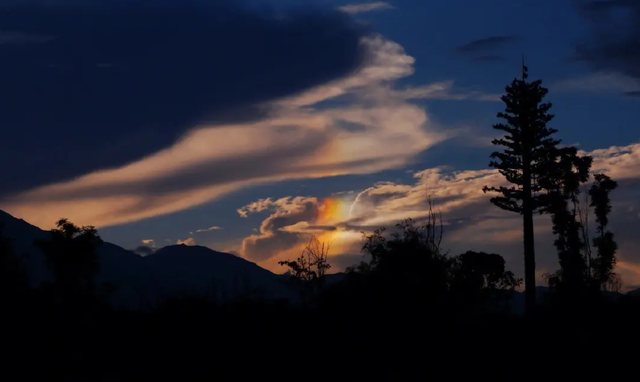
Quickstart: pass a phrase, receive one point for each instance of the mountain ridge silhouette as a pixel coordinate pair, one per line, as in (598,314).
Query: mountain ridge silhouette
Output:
(170,271)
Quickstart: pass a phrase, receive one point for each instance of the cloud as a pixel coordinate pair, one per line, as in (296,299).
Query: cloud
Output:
(340,221)
(443,91)
(213,228)
(96,100)
(294,219)
(305,227)
(257,206)
(365,7)
(149,242)
(458,194)
(190,242)
(484,49)
(613,43)
(365,129)
(601,82)
(470,220)
(274,237)
(290,225)
(619,162)
(143,250)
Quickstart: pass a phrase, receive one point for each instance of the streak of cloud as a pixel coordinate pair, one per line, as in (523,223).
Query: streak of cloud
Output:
(444,91)
(163,68)
(353,9)
(210,229)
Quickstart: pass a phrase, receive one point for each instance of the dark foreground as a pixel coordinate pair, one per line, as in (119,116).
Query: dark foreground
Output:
(191,340)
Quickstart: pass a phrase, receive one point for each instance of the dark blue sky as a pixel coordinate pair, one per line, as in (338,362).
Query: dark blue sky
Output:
(129,81)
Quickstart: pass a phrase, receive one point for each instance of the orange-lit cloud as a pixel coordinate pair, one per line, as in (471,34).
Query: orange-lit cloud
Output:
(190,242)
(471,222)
(333,210)
(630,274)
(290,225)
(296,140)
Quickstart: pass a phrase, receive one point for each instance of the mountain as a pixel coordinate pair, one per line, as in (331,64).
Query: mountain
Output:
(195,268)
(142,281)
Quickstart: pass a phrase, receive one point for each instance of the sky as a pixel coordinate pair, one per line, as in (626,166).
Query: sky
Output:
(249,126)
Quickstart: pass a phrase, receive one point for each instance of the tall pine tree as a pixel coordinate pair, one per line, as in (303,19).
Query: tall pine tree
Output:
(527,148)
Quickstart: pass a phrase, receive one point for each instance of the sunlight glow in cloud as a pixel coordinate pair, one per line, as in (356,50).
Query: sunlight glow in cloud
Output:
(291,223)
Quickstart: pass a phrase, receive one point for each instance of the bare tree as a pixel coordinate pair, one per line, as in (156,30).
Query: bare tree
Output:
(308,270)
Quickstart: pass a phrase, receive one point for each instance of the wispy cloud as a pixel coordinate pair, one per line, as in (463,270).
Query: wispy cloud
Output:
(300,138)
(353,9)
(273,237)
(257,206)
(152,78)
(213,228)
(444,91)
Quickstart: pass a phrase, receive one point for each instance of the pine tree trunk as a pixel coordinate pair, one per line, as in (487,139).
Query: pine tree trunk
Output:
(529,248)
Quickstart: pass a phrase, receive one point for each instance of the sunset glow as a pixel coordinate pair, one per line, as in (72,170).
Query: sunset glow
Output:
(333,210)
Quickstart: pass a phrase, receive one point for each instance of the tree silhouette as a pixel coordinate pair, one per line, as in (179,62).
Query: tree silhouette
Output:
(606,246)
(527,145)
(71,255)
(308,270)
(407,263)
(474,272)
(562,181)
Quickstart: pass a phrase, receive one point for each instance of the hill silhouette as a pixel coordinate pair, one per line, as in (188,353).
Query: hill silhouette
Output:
(178,270)
(170,271)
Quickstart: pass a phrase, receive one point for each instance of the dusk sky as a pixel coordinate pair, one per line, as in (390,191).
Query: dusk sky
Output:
(248,126)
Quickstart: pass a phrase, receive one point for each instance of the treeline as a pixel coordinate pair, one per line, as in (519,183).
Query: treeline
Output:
(408,309)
